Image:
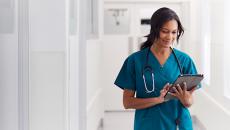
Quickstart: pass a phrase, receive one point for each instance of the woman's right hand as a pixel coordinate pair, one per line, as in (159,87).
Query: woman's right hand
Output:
(163,92)
(131,102)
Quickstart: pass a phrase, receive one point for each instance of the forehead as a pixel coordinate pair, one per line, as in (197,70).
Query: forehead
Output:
(170,25)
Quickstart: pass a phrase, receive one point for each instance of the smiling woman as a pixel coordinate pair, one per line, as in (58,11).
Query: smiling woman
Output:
(145,91)
(168,33)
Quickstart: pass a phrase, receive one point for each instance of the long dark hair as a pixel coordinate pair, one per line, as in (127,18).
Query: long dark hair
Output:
(158,18)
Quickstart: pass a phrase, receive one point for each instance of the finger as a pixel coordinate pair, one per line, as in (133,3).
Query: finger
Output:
(175,90)
(162,91)
(185,87)
(179,88)
(166,85)
(173,94)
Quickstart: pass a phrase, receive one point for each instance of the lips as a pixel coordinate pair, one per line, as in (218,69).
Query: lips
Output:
(167,42)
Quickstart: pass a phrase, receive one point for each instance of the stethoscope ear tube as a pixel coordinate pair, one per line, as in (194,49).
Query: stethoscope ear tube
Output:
(178,62)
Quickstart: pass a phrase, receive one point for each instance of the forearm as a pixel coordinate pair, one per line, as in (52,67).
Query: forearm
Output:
(141,103)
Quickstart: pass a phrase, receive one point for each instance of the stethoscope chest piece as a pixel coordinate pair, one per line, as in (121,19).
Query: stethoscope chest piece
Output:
(148,69)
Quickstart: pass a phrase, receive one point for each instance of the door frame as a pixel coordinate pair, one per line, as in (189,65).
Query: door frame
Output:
(23,63)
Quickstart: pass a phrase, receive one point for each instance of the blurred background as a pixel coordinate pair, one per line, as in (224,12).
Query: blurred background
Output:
(59,60)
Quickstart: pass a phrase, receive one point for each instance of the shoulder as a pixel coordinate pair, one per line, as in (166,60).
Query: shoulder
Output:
(186,62)
(137,56)
(182,56)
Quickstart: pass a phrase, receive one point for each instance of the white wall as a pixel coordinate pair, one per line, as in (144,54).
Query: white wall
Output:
(94,88)
(47,88)
(53,103)
(9,119)
(95,99)
(218,56)
(211,105)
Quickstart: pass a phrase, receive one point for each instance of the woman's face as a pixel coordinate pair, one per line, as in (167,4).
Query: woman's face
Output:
(168,34)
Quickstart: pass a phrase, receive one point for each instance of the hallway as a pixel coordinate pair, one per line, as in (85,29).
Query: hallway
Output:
(124,121)
(59,60)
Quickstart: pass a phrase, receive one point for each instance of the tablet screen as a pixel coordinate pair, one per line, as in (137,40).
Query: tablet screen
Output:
(191,82)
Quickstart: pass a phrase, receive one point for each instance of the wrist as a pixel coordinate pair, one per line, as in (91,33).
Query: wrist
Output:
(187,105)
(187,102)
(158,100)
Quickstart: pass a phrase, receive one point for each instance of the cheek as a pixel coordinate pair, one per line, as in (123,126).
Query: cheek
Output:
(174,37)
(163,36)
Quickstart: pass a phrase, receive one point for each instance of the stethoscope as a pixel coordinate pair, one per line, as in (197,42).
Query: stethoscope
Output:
(149,68)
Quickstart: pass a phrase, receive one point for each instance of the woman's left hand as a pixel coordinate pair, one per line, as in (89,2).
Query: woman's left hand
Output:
(183,95)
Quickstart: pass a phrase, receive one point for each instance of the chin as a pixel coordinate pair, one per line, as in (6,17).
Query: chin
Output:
(166,45)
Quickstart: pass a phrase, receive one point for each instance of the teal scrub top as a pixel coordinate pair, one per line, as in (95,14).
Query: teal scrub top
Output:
(162,116)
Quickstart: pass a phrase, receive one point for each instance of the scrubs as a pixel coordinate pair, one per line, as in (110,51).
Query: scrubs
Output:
(162,116)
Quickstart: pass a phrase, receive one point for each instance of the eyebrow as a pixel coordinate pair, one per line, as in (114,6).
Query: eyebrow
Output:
(168,29)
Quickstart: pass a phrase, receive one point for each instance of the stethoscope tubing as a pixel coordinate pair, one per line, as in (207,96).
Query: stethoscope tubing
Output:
(148,67)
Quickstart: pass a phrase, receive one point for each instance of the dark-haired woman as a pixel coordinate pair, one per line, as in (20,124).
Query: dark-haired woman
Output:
(146,76)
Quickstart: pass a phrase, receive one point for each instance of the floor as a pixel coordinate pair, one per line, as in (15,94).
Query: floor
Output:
(120,120)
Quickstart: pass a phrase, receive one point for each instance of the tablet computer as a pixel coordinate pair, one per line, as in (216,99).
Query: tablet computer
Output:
(192,80)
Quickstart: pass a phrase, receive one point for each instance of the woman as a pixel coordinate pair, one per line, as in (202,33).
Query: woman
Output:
(147,74)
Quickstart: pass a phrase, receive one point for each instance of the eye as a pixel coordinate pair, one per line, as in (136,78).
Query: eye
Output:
(164,31)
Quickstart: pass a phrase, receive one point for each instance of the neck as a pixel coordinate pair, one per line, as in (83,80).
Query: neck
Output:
(160,50)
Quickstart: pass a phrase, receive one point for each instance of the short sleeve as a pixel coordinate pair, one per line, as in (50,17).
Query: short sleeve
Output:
(190,68)
(126,76)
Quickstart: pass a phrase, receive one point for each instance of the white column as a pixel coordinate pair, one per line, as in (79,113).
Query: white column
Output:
(9,119)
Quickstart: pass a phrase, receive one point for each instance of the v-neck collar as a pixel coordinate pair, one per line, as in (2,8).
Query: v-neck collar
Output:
(157,61)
